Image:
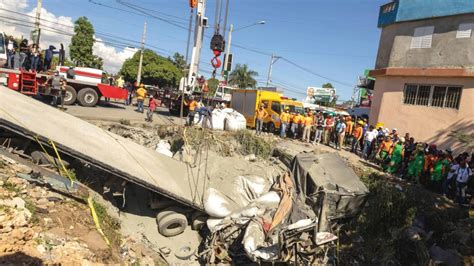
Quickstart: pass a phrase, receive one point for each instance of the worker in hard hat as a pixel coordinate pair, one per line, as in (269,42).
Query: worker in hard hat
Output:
(58,88)
(308,124)
(192,105)
(285,120)
(141,95)
(261,115)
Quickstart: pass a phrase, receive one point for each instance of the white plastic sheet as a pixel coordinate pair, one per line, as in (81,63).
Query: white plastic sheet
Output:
(164,147)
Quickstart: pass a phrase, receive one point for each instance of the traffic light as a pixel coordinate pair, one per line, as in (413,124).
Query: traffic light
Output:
(227,65)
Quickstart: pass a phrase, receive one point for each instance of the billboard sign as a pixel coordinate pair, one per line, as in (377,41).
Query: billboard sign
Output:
(325,95)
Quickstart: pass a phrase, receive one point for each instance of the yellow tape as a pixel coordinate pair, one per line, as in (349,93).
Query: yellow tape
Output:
(96,220)
(61,161)
(50,158)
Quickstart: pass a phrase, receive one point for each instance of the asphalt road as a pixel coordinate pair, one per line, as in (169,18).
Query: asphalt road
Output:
(116,111)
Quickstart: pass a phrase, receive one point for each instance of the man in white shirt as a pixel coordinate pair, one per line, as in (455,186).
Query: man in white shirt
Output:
(453,169)
(462,178)
(369,138)
(10,52)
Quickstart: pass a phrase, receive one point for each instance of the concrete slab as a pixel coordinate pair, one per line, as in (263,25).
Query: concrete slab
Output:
(100,148)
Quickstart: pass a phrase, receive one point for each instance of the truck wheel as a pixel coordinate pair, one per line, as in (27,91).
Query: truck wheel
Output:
(271,127)
(172,223)
(71,95)
(88,97)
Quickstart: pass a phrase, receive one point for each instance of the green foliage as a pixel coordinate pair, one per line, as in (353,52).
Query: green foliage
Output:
(178,61)
(81,45)
(328,85)
(55,62)
(109,224)
(466,140)
(252,144)
(243,77)
(156,69)
(212,84)
(11,187)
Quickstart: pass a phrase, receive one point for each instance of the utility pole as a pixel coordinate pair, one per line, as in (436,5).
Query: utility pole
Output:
(188,66)
(39,5)
(227,53)
(272,61)
(139,74)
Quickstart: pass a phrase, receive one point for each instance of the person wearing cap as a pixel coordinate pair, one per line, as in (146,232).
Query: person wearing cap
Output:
(295,126)
(58,88)
(284,121)
(356,136)
(397,156)
(261,115)
(385,150)
(141,95)
(192,105)
(151,109)
(328,128)
(462,179)
(308,124)
(415,166)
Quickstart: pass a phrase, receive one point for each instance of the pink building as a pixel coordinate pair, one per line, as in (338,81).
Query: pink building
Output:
(425,75)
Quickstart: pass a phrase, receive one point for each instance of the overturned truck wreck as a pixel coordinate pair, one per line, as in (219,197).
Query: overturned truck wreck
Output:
(292,219)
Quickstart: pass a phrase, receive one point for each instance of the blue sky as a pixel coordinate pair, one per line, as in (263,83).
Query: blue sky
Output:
(337,39)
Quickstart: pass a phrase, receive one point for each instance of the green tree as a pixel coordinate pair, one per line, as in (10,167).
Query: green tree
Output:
(243,77)
(212,84)
(178,61)
(155,69)
(81,44)
(328,86)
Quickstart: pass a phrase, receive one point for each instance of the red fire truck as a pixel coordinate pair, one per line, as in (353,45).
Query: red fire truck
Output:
(83,86)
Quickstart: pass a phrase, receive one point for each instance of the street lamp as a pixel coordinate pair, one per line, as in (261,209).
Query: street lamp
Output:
(229,43)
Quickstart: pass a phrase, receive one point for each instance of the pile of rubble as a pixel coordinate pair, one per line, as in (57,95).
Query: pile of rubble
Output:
(41,226)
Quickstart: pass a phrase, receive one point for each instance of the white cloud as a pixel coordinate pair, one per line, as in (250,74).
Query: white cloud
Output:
(55,30)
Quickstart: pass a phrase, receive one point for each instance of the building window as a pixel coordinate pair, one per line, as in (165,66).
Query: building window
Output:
(465,30)
(388,8)
(422,38)
(432,95)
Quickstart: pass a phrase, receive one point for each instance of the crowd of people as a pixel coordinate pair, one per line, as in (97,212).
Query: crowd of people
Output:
(30,57)
(397,154)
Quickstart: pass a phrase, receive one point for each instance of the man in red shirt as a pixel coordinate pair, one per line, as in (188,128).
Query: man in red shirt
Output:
(151,109)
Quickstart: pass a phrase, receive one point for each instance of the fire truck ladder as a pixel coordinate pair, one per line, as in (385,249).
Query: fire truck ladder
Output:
(28,83)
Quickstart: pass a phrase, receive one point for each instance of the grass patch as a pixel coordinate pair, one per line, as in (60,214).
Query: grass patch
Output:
(251,144)
(34,215)
(109,224)
(11,187)
(69,173)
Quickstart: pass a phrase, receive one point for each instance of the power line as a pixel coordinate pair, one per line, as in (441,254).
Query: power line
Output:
(316,74)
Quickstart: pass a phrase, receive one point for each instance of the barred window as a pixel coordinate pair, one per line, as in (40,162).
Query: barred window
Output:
(432,95)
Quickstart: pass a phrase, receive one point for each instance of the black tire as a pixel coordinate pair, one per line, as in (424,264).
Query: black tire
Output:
(71,95)
(88,97)
(271,127)
(172,224)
